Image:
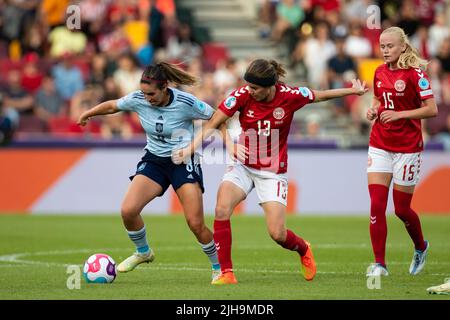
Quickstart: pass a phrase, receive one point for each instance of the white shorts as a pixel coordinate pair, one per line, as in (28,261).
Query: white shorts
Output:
(405,167)
(269,186)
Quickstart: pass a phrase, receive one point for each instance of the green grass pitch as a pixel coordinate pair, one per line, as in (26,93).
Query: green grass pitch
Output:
(36,250)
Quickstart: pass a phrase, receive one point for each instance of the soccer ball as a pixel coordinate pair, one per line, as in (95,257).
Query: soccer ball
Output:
(99,268)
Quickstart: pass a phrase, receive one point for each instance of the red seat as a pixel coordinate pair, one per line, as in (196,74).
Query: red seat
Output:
(212,53)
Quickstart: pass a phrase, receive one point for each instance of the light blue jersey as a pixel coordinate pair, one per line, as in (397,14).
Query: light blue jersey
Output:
(170,127)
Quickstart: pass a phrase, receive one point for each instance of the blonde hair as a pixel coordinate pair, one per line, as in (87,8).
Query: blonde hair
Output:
(409,58)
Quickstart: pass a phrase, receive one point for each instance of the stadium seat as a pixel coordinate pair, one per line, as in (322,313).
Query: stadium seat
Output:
(212,53)
(31,124)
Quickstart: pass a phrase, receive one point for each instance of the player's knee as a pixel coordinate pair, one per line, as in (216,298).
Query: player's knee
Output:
(196,225)
(223,212)
(128,211)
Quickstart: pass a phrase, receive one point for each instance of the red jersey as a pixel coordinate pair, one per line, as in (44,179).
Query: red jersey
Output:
(265,125)
(399,90)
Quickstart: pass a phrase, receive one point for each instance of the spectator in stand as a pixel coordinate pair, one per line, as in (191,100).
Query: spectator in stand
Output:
(16,97)
(289,17)
(315,53)
(341,70)
(98,72)
(356,45)
(68,77)
(48,102)
(31,75)
(182,47)
(128,75)
(443,55)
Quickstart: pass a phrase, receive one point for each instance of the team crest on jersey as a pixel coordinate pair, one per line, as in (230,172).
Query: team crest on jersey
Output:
(400,85)
(423,83)
(159,127)
(278,113)
(230,102)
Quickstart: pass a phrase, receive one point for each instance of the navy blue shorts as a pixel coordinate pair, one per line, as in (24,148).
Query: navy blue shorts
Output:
(164,172)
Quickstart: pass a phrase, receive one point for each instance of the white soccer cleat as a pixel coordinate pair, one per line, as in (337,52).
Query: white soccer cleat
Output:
(376,270)
(419,259)
(215,274)
(134,260)
(440,289)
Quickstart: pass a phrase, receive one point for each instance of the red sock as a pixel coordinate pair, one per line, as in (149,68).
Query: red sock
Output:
(294,243)
(378,227)
(222,238)
(402,203)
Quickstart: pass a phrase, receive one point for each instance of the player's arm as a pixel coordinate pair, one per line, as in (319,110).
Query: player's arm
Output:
(208,128)
(234,149)
(427,110)
(357,88)
(107,107)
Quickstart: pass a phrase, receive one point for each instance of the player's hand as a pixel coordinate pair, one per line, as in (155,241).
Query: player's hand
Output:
(390,116)
(240,152)
(180,156)
(82,120)
(372,114)
(360,88)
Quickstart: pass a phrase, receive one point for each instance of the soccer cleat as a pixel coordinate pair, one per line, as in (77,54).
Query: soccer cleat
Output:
(376,270)
(308,264)
(418,261)
(215,274)
(440,289)
(225,278)
(134,260)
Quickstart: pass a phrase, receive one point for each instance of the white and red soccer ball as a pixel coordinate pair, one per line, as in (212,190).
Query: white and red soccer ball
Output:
(99,268)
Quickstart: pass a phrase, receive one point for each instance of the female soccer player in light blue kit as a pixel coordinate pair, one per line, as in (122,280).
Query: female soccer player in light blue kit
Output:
(167,116)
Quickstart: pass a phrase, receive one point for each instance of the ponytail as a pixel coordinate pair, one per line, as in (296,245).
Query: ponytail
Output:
(164,72)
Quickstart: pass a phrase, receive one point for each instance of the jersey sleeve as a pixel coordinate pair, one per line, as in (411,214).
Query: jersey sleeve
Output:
(202,110)
(422,84)
(302,96)
(376,90)
(234,102)
(128,102)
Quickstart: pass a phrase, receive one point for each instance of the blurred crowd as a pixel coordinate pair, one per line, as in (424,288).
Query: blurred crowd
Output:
(59,57)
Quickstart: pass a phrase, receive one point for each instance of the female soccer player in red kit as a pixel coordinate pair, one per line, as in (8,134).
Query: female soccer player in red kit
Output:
(402,97)
(266,109)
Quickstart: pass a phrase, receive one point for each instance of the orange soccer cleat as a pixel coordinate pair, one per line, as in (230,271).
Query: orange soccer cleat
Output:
(226,277)
(308,264)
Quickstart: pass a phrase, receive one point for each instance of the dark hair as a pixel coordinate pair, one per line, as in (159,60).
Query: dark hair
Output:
(265,73)
(163,72)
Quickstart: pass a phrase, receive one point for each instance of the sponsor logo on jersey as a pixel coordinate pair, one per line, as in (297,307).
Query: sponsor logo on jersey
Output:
(159,127)
(400,85)
(426,93)
(378,84)
(230,102)
(250,114)
(424,83)
(278,113)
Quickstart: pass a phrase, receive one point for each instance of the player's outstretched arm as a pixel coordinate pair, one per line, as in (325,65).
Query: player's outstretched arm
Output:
(208,127)
(107,107)
(357,88)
